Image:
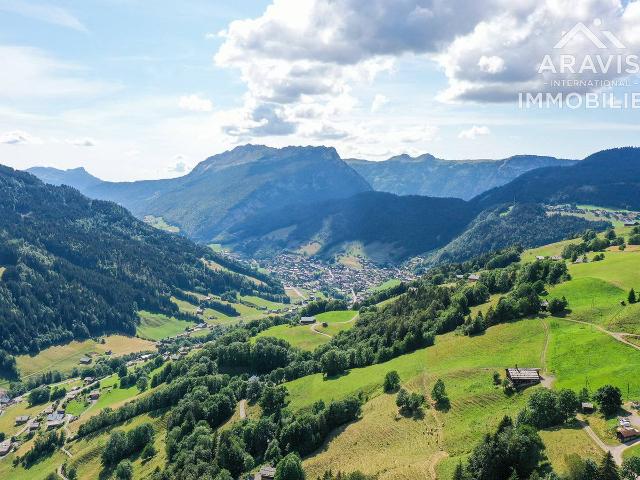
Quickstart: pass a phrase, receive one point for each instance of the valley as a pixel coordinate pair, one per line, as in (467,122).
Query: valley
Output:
(262,348)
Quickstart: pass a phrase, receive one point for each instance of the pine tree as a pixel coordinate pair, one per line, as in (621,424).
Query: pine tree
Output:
(608,468)
(632,296)
(459,473)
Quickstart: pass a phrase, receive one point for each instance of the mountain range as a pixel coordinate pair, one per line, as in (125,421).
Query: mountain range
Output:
(226,188)
(259,200)
(434,177)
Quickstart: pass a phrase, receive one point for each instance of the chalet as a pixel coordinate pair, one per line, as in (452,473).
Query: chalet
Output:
(266,473)
(34,426)
(5,447)
(523,377)
(630,223)
(474,277)
(60,410)
(22,419)
(460,277)
(556,258)
(307,320)
(88,380)
(625,434)
(55,420)
(94,395)
(85,361)
(4,399)
(49,410)
(587,407)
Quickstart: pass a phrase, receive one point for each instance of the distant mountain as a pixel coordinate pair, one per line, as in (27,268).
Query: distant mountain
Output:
(72,267)
(391,228)
(76,177)
(431,176)
(386,227)
(610,178)
(225,189)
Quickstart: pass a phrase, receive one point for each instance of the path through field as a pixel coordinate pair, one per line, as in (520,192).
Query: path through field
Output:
(313,329)
(619,336)
(243,409)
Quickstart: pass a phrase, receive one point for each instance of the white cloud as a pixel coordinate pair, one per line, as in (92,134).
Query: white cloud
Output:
(302,52)
(493,64)
(378,102)
(195,103)
(179,165)
(82,142)
(474,132)
(45,13)
(32,73)
(210,35)
(18,137)
(501,56)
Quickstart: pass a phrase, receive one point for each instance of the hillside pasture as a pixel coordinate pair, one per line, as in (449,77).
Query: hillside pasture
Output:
(299,336)
(155,326)
(65,358)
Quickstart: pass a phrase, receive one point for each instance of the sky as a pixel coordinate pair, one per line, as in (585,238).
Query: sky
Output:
(135,89)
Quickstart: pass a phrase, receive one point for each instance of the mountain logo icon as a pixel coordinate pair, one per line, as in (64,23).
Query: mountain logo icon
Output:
(580,29)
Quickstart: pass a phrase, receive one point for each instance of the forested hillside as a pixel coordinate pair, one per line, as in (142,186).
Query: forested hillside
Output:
(608,178)
(75,267)
(398,226)
(527,225)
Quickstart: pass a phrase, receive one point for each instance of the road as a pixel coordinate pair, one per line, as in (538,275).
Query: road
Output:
(619,336)
(615,450)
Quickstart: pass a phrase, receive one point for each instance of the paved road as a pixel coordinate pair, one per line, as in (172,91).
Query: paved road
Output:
(615,450)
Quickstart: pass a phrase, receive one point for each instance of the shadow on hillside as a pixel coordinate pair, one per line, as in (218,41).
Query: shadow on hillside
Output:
(336,376)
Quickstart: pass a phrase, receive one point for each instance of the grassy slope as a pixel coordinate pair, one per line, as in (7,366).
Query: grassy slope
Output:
(302,336)
(65,357)
(154,326)
(405,448)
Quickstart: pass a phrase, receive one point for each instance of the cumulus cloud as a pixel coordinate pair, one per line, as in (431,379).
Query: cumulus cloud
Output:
(378,102)
(308,52)
(302,52)
(18,137)
(503,55)
(195,103)
(474,132)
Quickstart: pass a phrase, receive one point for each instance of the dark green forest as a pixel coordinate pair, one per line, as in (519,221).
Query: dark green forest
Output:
(76,267)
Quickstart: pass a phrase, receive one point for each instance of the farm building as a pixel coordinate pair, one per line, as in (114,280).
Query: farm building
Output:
(85,361)
(5,447)
(523,377)
(266,473)
(55,420)
(474,277)
(94,395)
(625,434)
(307,320)
(88,380)
(4,399)
(33,426)
(587,407)
(22,419)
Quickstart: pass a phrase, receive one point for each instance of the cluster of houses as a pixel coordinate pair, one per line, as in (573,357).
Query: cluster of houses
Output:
(315,275)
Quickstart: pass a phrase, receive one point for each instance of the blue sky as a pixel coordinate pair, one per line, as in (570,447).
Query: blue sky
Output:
(135,89)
